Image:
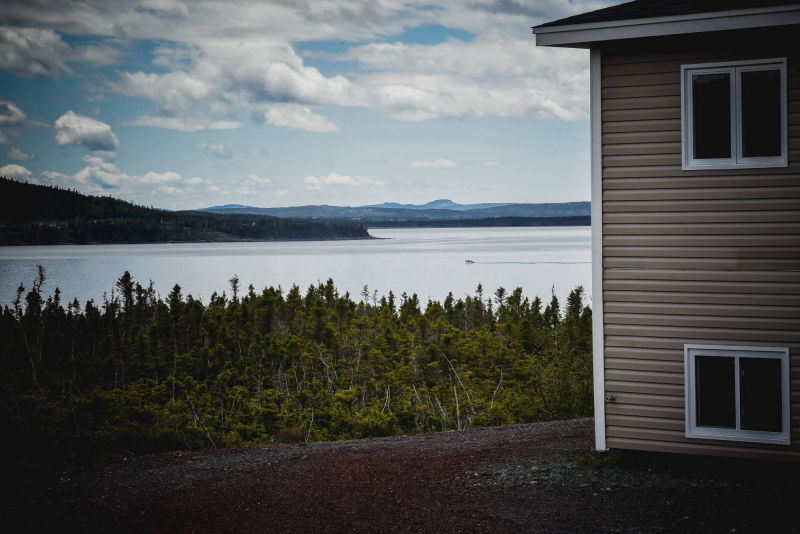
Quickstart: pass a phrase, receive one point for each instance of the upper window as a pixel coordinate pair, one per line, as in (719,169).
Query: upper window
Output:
(737,393)
(734,114)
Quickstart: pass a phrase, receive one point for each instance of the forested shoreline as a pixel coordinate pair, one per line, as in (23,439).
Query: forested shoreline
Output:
(138,373)
(33,214)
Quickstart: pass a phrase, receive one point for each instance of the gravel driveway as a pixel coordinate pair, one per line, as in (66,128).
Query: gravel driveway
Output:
(524,478)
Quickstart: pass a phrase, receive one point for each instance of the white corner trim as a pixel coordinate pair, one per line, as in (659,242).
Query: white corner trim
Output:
(575,34)
(598,339)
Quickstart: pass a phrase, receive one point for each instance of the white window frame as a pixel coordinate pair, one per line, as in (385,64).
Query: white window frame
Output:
(736,434)
(737,159)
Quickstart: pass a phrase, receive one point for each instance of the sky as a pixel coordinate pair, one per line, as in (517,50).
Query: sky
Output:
(183,104)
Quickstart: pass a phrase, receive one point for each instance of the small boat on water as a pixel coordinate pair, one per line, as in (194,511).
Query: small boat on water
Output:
(468,261)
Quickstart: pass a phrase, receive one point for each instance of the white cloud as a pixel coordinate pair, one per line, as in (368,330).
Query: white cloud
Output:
(184,124)
(10,113)
(491,163)
(100,174)
(258,180)
(334,179)
(440,163)
(101,55)
(152,177)
(298,117)
(73,129)
(13,170)
(225,57)
(33,52)
(217,150)
(16,154)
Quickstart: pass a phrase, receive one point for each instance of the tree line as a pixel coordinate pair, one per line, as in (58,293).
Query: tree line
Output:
(36,214)
(140,373)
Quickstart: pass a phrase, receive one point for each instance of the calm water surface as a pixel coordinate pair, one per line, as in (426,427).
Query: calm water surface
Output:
(426,261)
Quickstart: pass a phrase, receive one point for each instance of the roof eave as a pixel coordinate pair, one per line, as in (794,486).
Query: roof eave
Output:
(585,35)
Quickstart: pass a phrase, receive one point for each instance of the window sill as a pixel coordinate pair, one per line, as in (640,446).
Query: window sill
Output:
(742,436)
(744,165)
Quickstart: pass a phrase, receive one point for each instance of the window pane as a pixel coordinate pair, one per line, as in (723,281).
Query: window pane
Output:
(760,394)
(761,113)
(711,114)
(716,391)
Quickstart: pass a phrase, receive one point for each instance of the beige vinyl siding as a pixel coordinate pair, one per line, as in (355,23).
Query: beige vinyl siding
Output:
(703,257)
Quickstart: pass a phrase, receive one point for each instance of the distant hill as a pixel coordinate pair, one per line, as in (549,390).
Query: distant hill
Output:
(36,214)
(389,213)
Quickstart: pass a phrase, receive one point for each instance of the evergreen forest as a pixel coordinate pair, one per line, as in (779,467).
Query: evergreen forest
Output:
(138,373)
(43,215)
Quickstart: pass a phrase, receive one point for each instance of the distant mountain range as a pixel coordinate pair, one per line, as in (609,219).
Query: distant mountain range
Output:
(437,210)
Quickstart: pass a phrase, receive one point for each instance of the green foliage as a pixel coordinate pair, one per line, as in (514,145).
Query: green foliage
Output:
(138,373)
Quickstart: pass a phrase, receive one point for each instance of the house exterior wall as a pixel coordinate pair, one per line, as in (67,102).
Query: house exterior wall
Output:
(699,256)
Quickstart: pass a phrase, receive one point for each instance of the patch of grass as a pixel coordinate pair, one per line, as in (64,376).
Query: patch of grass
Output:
(594,459)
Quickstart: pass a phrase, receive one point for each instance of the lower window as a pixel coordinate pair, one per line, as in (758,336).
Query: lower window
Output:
(737,393)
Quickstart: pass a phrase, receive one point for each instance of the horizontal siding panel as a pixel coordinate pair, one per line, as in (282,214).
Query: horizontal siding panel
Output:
(678,436)
(642,102)
(644,356)
(613,386)
(739,309)
(660,423)
(642,79)
(725,229)
(754,303)
(675,170)
(703,251)
(677,276)
(644,377)
(694,56)
(681,241)
(649,399)
(643,410)
(715,449)
(663,125)
(660,321)
(676,344)
(753,216)
(625,138)
(689,334)
(698,193)
(699,182)
(637,91)
(701,286)
(678,206)
(644,67)
(673,357)
(642,160)
(713,264)
(632,364)
(642,148)
(641,114)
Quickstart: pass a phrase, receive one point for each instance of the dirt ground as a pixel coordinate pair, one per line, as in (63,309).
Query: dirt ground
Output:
(524,478)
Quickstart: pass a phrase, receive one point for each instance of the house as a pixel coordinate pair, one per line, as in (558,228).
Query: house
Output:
(695,169)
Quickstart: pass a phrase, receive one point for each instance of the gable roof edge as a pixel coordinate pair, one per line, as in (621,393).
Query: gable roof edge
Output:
(583,35)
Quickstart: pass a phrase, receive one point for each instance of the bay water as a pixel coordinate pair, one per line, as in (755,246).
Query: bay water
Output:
(430,262)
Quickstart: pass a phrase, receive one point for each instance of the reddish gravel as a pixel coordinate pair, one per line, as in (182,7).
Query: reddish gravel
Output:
(539,477)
